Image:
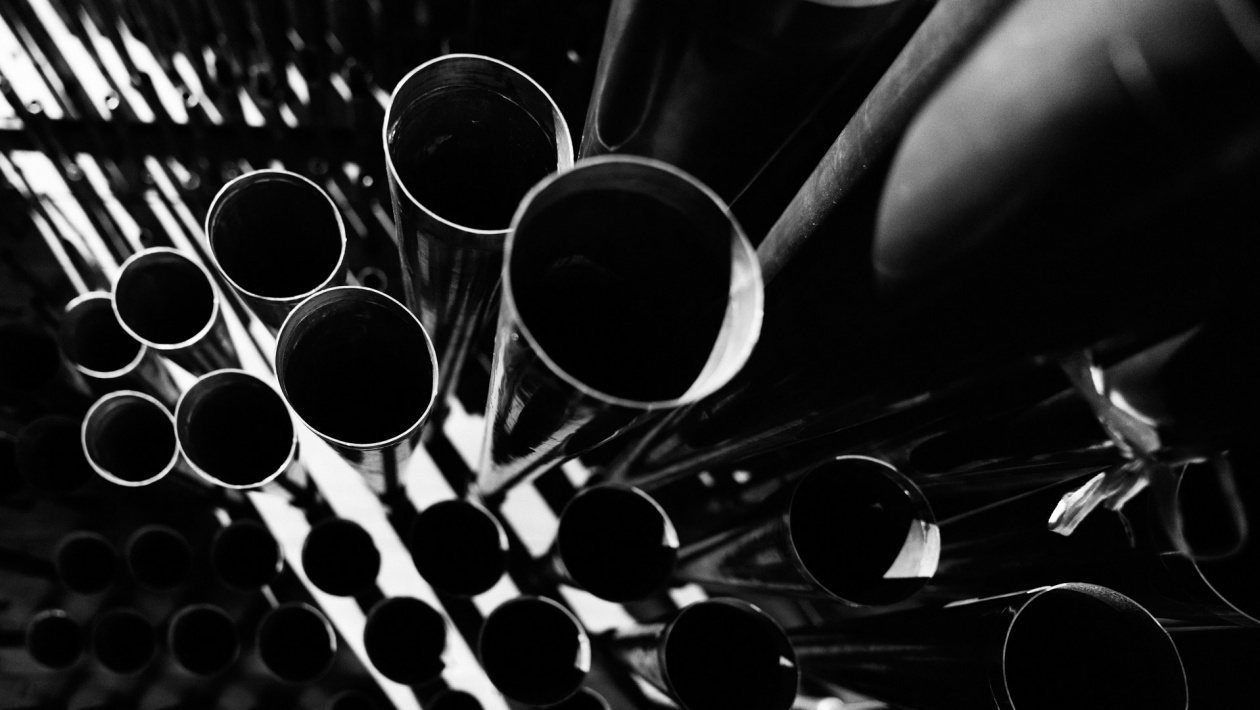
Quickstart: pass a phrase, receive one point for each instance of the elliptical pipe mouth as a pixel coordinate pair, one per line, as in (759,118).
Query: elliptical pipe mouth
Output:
(245,556)
(54,640)
(340,557)
(203,640)
(50,455)
(158,557)
(128,438)
(235,430)
(616,542)
(724,653)
(164,299)
(404,638)
(296,643)
(86,562)
(1088,647)
(459,547)
(94,341)
(534,650)
(123,641)
(357,368)
(277,238)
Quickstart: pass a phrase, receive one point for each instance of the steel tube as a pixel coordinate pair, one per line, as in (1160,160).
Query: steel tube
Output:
(34,378)
(459,547)
(50,456)
(54,640)
(534,650)
(715,89)
(158,557)
(1076,645)
(360,371)
(904,311)
(951,28)
(86,562)
(296,643)
(404,638)
(234,430)
(169,302)
(628,288)
(102,351)
(123,641)
(715,654)
(340,558)
(465,137)
(128,438)
(203,640)
(245,556)
(276,237)
(852,530)
(615,542)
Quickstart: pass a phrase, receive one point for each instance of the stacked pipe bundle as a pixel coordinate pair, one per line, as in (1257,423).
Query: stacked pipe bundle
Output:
(965,423)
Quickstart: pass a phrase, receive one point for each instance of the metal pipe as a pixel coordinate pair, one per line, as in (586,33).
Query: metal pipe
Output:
(715,89)
(296,643)
(714,654)
(203,640)
(33,374)
(615,542)
(534,650)
(628,287)
(465,137)
(234,430)
(54,640)
(404,638)
(905,311)
(99,348)
(123,641)
(169,302)
(340,558)
(851,529)
(951,28)
(245,556)
(50,456)
(359,370)
(128,438)
(1070,645)
(158,557)
(276,238)
(86,562)
(459,547)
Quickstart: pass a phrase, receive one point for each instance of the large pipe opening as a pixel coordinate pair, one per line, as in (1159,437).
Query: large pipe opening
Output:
(165,299)
(1090,648)
(723,654)
(276,235)
(129,439)
(405,638)
(617,543)
(356,366)
(340,558)
(296,643)
(863,532)
(245,556)
(235,430)
(534,651)
(458,547)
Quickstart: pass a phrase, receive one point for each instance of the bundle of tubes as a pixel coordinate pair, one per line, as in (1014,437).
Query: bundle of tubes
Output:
(856,354)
